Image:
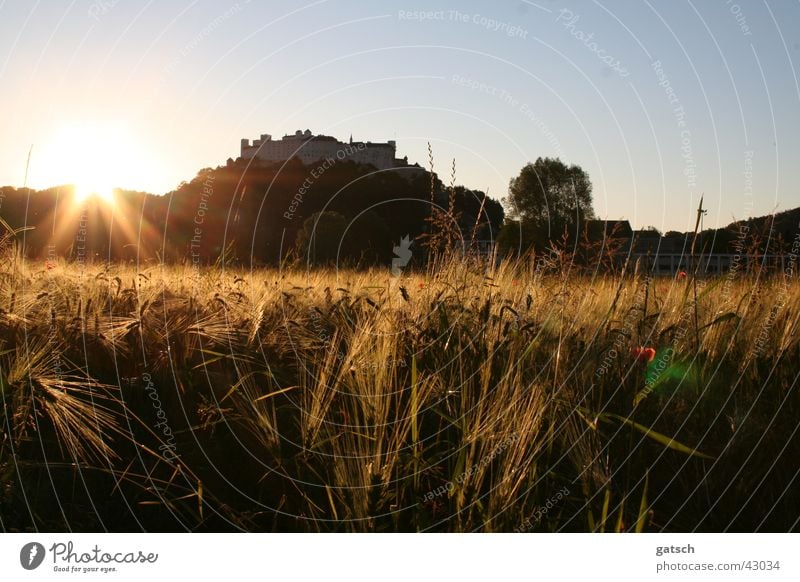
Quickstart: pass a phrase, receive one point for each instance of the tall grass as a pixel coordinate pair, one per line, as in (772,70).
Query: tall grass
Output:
(463,398)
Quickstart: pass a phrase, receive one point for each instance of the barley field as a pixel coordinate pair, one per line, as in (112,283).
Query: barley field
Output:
(525,397)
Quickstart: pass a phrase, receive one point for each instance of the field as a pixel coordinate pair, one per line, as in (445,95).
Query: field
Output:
(525,397)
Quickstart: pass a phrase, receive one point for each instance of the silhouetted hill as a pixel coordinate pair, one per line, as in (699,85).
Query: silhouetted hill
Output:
(252,211)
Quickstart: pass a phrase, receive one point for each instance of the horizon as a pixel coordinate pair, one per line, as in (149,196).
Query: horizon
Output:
(116,191)
(659,103)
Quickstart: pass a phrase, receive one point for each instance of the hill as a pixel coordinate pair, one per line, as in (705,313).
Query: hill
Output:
(254,211)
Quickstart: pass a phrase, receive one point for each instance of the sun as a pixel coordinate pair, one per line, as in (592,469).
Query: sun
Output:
(92,189)
(96,157)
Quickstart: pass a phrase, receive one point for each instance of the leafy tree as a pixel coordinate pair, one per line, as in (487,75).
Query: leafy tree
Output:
(368,240)
(547,199)
(319,239)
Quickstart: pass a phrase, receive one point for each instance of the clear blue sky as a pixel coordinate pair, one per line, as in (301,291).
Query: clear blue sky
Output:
(492,84)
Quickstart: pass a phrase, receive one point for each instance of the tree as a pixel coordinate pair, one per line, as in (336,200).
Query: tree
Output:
(368,240)
(547,199)
(320,238)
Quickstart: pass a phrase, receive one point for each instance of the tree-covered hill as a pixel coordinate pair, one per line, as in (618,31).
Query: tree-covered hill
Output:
(254,212)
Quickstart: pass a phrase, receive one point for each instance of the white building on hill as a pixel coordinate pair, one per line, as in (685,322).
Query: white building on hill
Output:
(310,148)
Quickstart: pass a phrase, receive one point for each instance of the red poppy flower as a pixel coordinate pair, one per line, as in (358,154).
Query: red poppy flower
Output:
(421,285)
(643,354)
(682,275)
(49,265)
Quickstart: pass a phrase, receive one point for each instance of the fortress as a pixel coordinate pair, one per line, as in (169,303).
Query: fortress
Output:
(310,148)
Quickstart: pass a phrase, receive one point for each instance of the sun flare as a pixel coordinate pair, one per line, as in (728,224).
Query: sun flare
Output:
(89,189)
(96,158)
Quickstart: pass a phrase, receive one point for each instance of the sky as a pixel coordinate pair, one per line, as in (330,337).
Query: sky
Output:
(659,101)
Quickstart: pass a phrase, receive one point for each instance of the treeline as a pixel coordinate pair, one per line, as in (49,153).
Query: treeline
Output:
(774,234)
(251,214)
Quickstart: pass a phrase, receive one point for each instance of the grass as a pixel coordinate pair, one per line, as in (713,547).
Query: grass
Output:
(458,399)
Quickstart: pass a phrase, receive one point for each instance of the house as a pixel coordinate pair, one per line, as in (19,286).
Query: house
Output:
(667,254)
